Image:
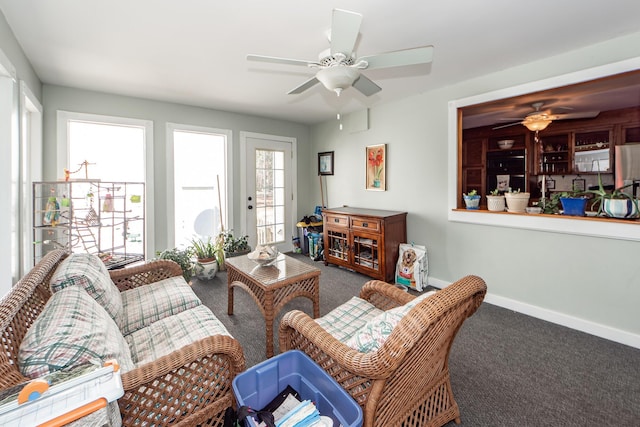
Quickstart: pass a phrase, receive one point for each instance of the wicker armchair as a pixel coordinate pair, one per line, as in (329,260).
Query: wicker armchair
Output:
(190,386)
(406,381)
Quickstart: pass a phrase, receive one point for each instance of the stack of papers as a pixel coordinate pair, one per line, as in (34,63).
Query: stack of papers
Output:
(304,414)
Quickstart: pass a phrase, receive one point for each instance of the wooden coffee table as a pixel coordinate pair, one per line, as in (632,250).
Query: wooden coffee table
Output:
(273,286)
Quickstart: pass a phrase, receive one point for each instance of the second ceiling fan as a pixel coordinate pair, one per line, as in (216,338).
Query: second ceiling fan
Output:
(539,119)
(339,68)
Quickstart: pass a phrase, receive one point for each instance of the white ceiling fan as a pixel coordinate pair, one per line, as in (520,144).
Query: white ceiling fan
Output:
(339,68)
(539,119)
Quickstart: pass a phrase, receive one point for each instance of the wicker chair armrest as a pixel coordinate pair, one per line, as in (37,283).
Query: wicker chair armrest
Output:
(191,386)
(296,322)
(383,295)
(151,272)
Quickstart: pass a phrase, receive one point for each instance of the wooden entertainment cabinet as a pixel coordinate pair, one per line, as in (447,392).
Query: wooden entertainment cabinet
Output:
(364,240)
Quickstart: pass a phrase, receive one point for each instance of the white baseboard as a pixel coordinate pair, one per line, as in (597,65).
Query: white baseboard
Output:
(587,326)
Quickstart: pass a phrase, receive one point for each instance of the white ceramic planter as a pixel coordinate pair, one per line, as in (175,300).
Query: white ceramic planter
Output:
(620,208)
(516,202)
(206,270)
(495,203)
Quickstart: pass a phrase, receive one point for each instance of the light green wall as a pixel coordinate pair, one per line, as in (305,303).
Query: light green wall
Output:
(590,283)
(82,101)
(9,45)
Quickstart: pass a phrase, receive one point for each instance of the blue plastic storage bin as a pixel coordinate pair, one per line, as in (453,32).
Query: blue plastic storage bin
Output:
(260,384)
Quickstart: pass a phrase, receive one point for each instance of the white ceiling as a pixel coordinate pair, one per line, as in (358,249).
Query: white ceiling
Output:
(193,51)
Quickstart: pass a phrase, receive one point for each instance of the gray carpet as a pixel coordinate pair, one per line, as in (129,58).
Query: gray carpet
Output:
(507,369)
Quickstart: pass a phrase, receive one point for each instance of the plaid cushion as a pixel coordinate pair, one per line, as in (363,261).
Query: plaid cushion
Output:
(71,330)
(173,333)
(89,271)
(375,332)
(144,305)
(344,320)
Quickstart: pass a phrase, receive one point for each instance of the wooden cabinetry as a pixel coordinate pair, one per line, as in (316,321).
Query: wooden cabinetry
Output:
(364,240)
(473,167)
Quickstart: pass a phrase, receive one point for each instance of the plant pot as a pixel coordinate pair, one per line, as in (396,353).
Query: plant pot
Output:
(574,206)
(472,202)
(516,202)
(621,208)
(495,203)
(206,269)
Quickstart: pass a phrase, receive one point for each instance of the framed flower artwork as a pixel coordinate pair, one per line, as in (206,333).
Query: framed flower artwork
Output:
(325,163)
(376,178)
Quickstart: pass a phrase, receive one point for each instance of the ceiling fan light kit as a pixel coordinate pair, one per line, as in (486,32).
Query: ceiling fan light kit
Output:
(537,124)
(339,68)
(338,78)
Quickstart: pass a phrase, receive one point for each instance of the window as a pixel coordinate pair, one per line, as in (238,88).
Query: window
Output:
(110,149)
(596,227)
(199,182)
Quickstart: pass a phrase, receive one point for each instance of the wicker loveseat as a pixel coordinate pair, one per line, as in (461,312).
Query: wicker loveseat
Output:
(182,360)
(406,380)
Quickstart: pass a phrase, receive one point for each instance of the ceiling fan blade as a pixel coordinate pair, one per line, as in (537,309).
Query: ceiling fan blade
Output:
(304,86)
(582,115)
(506,126)
(418,55)
(366,86)
(345,27)
(276,60)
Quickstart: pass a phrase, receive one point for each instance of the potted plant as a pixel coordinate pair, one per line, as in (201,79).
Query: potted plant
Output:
(183,257)
(234,246)
(516,201)
(472,199)
(495,201)
(206,252)
(550,205)
(616,204)
(574,202)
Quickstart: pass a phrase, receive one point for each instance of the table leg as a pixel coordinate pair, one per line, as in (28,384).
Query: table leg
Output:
(229,298)
(316,297)
(268,320)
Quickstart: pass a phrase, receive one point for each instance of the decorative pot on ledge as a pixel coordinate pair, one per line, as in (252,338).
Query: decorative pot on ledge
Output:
(516,202)
(574,206)
(495,203)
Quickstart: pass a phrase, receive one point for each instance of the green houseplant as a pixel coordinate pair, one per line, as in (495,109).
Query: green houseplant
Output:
(183,257)
(615,204)
(471,199)
(495,201)
(206,251)
(516,201)
(234,246)
(574,202)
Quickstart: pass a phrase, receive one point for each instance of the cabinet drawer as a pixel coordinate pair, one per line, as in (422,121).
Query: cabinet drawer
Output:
(337,220)
(365,224)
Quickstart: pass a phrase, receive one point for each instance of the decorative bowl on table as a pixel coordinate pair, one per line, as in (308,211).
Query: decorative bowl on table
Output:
(263,254)
(505,144)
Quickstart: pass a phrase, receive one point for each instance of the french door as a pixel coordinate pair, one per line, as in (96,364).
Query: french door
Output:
(268,168)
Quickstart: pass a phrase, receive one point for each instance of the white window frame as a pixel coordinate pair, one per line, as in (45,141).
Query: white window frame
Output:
(170,193)
(63,118)
(585,227)
(31,153)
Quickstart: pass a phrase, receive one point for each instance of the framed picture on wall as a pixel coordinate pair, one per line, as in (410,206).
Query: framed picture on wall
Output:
(579,184)
(325,163)
(376,158)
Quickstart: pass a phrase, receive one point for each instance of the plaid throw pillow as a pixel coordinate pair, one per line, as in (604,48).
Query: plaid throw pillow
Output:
(344,320)
(89,272)
(144,305)
(71,330)
(375,332)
